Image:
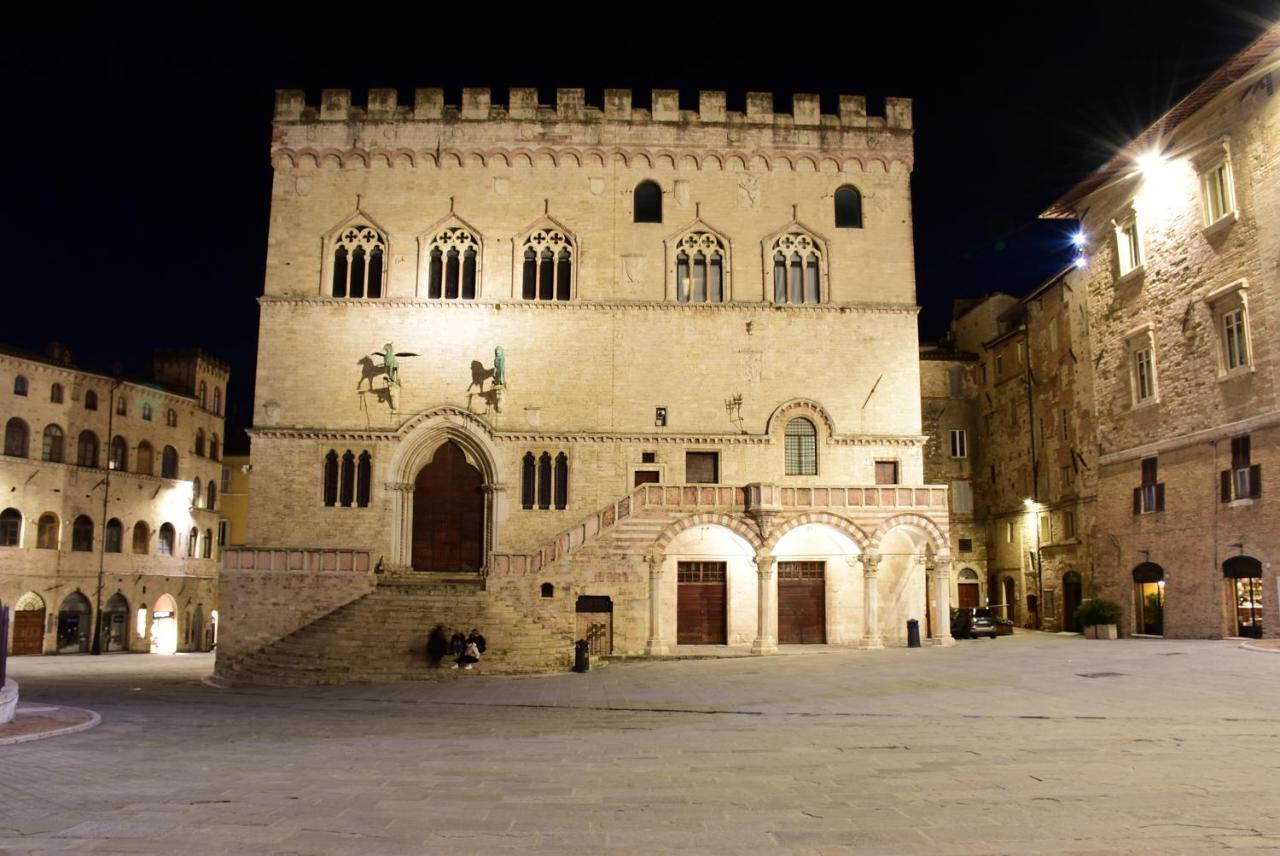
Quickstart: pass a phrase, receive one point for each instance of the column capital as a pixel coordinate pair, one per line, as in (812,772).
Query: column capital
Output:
(764,562)
(870,562)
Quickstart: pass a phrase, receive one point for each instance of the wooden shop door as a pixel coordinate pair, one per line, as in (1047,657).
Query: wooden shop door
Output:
(701,617)
(28,631)
(802,603)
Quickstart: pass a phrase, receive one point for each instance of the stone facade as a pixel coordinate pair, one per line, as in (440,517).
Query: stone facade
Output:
(1182,253)
(114,480)
(581,301)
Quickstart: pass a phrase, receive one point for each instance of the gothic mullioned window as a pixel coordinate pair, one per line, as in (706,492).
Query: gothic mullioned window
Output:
(701,267)
(359,254)
(798,261)
(544,482)
(547,258)
(346,479)
(452,263)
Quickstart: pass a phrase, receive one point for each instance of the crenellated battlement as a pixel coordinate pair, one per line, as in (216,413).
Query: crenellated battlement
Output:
(382,105)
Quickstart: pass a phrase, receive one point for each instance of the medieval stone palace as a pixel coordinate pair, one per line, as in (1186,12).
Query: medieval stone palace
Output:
(642,375)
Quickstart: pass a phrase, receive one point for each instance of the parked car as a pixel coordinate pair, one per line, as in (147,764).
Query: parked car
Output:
(971,622)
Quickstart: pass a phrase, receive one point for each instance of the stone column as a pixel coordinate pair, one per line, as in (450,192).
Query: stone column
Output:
(942,579)
(766,606)
(656,645)
(871,601)
(401,554)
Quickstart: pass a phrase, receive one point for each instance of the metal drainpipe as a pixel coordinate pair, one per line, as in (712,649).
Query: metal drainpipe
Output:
(106,497)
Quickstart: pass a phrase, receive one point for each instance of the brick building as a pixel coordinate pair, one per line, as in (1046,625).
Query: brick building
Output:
(115,482)
(645,375)
(1182,280)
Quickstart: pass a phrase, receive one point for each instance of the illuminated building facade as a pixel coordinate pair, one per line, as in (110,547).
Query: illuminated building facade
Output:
(110,503)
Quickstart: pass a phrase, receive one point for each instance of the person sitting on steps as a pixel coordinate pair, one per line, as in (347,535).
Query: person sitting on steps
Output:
(478,639)
(470,656)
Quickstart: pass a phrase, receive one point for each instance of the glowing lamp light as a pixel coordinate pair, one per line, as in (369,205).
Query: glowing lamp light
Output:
(1150,163)
(1081,262)
(1078,239)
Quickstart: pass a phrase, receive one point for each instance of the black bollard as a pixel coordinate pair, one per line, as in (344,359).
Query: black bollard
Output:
(581,656)
(913,633)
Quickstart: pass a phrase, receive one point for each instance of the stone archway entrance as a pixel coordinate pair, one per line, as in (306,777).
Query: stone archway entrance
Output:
(448,513)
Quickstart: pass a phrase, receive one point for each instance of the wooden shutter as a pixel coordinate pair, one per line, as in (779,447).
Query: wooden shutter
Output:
(1160,496)
(1137,500)
(1224,479)
(1255,481)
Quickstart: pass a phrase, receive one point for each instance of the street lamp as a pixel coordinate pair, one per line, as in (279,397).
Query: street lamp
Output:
(1034,508)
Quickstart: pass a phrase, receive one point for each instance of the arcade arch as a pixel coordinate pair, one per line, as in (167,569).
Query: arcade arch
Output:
(164,626)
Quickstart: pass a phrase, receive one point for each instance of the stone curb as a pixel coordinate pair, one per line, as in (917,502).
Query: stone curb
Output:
(1249,646)
(94,719)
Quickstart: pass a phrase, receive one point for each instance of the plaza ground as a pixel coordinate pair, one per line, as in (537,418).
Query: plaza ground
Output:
(1029,744)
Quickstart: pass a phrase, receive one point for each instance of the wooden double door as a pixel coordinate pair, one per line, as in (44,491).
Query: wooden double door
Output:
(802,603)
(448,514)
(28,631)
(701,604)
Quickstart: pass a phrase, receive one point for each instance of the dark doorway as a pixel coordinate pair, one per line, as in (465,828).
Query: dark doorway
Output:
(448,514)
(73,625)
(802,603)
(701,617)
(1010,599)
(1072,593)
(115,624)
(967,589)
(1148,593)
(28,625)
(595,622)
(1244,587)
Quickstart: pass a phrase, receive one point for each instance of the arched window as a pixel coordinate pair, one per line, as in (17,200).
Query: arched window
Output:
(331,478)
(90,400)
(359,253)
(47,532)
(55,393)
(701,260)
(164,545)
(203,396)
(548,590)
(141,538)
(82,534)
(528,480)
(453,264)
(544,481)
(87,449)
(17,438)
(647,201)
(215,448)
(848,208)
(145,462)
(801,451)
(364,477)
(347,490)
(547,272)
(52,446)
(169,463)
(217,400)
(171,418)
(115,536)
(10,527)
(200,442)
(122,406)
(192,538)
(211,496)
(119,459)
(19,385)
(206,544)
(196,492)
(562,481)
(146,411)
(797,269)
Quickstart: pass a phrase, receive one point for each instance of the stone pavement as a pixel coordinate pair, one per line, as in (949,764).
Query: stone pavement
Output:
(1029,744)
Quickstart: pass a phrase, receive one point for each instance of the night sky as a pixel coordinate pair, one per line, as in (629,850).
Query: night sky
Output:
(136,160)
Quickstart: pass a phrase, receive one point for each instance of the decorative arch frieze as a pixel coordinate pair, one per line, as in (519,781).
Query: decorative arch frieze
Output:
(841,524)
(740,526)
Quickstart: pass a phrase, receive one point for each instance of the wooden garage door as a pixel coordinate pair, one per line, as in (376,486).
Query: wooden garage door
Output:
(700,604)
(28,631)
(802,603)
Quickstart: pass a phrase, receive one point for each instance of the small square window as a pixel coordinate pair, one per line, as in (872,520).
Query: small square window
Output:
(648,457)
(966,545)
(702,467)
(886,472)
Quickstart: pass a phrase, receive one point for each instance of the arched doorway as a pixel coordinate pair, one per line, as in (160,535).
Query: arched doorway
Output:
(115,624)
(1010,589)
(1148,595)
(713,587)
(1072,594)
(448,513)
(1244,589)
(28,624)
(968,590)
(74,624)
(164,626)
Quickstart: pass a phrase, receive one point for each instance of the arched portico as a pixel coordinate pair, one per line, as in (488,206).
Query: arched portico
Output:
(702,587)
(819,582)
(439,449)
(906,545)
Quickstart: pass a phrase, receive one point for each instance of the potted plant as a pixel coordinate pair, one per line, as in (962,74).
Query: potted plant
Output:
(1004,627)
(1098,617)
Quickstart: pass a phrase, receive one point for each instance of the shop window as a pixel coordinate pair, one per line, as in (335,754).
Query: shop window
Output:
(1243,576)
